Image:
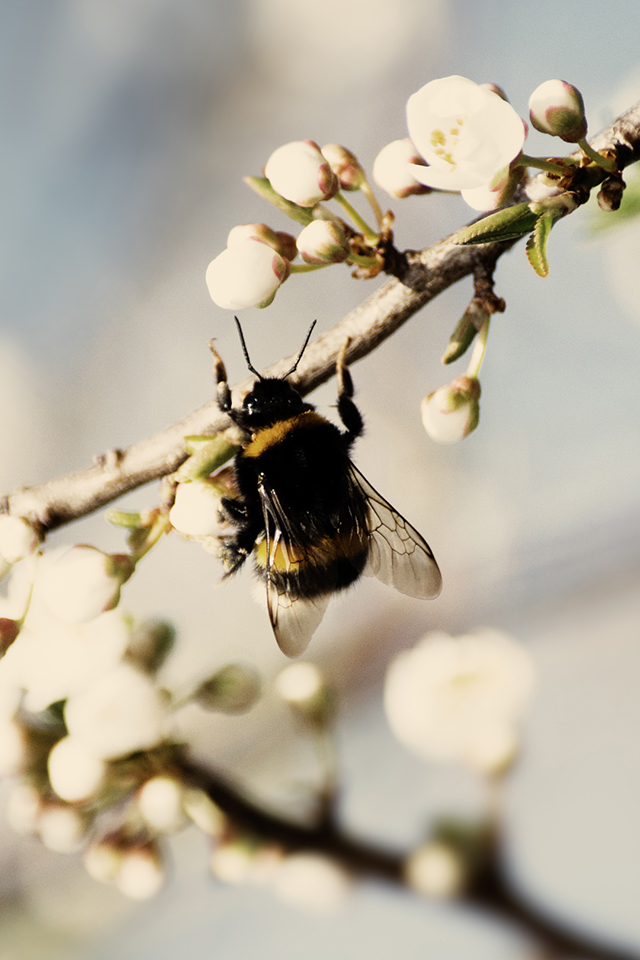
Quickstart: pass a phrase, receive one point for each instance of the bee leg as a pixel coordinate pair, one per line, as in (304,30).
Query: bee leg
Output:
(235,510)
(222,387)
(349,413)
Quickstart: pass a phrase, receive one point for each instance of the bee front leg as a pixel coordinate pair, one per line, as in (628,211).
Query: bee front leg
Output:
(349,413)
(222,387)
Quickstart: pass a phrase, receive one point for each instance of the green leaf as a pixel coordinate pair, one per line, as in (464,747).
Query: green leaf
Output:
(508,224)
(207,458)
(263,188)
(537,244)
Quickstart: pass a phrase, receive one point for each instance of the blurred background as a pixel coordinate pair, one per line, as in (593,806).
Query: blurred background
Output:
(127,126)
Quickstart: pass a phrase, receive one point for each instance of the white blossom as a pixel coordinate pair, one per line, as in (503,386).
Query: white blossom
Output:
(460,698)
(17,539)
(451,413)
(299,682)
(84,582)
(248,274)
(118,713)
(299,172)
(52,659)
(393,170)
(13,748)
(196,511)
(74,772)
(556,107)
(466,133)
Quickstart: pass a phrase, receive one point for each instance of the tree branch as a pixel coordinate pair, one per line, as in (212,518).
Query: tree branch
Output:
(490,889)
(419,276)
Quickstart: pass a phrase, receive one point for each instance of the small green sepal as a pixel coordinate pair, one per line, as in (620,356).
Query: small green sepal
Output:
(207,458)
(122,518)
(508,224)
(263,188)
(537,244)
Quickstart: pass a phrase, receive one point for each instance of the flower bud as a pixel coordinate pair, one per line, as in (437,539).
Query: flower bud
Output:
(543,186)
(160,803)
(323,241)
(392,170)
(85,582)
(494,88)
(74,773)
(304,689)
(196,511)
(452,412)
(17,538)
(557,108)
(102,860)
(610,194)
(24,807)
(247,274)
(435,870)
(61,828)
(233,689)
(150,644)
(141,874)
(299,172)
(345,165)
(284,243)
(206,815)
(313,882)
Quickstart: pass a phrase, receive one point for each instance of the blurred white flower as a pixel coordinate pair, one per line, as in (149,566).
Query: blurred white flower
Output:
(557,108)
(299,682)
(466,133)
(206,815)
(299,172)
(248,274)
(435,870)
(141,874)
(74,773)
(460,698)
(392,169)
(24,807)
(61,828)
(13,748)
(313,882)
(51,659)
(17,539)
(196,511)
(102,860)
(117,713)
(84,582)
(160,803)
(451,413)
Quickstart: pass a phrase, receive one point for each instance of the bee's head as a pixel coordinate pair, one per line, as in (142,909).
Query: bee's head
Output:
(272,398)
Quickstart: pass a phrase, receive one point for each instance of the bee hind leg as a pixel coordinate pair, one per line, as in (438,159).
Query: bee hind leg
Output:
(349,413)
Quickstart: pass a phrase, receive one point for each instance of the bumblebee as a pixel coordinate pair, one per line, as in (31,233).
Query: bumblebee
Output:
(311,521)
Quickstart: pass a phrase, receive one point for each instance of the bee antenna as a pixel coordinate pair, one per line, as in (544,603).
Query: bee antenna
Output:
(304,347)
(246,352)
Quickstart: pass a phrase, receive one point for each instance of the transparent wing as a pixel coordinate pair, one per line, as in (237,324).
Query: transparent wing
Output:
(398,555)
(294,619)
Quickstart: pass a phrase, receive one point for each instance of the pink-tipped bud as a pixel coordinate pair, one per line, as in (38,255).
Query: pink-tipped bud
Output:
(557,108)
(248,274)
(282,242)
(451,413)
(299,172)
(345,165)
(392,170)
(323,241)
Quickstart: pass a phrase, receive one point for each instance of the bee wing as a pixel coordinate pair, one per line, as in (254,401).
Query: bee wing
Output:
(398,555)
(294,619)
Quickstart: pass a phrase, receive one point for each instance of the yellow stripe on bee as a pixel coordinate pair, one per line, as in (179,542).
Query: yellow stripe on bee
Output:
(320,553)
(271,436)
